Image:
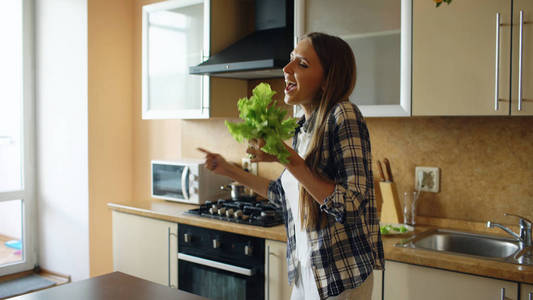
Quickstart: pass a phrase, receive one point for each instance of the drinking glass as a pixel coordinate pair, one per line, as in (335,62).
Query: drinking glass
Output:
(409,207)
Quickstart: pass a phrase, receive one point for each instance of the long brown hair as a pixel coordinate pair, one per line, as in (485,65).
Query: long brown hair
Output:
(338,63)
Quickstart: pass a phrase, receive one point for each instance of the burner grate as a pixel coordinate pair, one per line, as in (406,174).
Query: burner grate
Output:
(260,213)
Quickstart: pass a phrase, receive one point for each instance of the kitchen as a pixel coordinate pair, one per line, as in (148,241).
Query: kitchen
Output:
(483,159)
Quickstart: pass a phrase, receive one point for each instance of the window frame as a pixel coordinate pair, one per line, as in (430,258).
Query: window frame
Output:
(28,193)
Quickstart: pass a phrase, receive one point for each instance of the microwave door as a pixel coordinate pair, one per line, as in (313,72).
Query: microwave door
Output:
(185,183)
(170,182)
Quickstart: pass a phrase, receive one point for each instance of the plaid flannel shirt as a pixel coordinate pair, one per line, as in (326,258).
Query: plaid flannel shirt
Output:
(349,247)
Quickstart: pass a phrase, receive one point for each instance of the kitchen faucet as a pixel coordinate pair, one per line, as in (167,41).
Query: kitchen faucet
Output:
(524,239)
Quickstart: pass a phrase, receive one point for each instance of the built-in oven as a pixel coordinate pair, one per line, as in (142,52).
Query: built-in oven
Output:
(220,265)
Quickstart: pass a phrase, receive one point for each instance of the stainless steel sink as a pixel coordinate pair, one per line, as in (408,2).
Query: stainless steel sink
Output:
(464,243)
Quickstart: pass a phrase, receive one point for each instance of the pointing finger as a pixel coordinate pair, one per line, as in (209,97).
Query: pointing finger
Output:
(203,150)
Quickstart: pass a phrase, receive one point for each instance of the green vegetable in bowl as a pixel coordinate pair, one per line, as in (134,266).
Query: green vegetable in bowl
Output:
(384,229)
(387,229)
(264,120)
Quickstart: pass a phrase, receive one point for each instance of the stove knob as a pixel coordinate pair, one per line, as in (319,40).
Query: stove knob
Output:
(268,213)
(238,214)
(222,211)
(229,213)
(213,210)
(248,249)
(216,244)
(187,238)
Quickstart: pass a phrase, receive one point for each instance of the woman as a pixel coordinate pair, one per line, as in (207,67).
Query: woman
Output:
(326,190)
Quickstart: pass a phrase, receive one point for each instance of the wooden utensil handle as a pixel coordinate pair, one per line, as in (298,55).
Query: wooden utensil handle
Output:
(388,170)
(380,169)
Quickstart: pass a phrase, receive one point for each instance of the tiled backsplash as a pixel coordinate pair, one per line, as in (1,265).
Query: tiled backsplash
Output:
(486,163)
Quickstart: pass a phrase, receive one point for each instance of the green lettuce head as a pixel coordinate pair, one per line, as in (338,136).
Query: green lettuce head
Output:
(263,120)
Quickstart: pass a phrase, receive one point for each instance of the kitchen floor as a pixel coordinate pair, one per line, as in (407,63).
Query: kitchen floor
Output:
(8,255)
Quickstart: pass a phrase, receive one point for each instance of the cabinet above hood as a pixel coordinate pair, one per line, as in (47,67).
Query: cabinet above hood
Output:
(261,54)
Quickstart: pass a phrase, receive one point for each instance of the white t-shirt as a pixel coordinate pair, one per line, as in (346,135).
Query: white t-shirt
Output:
(291,186)
(305,286)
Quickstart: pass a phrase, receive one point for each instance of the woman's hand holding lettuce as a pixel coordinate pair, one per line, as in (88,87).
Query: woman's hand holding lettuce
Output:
(264,120)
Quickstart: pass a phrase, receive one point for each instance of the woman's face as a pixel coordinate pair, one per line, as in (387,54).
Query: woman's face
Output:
(303,75)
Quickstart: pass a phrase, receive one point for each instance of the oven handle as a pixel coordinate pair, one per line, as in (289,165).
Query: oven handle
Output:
(216,264)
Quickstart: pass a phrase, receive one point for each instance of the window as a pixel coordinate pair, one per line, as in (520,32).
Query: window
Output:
(17,193)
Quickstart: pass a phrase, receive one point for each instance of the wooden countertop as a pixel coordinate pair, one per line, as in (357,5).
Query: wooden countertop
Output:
(112,286)
(175,212)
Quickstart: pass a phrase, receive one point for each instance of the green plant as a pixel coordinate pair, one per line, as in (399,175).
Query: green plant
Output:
(264,120)
(439,2)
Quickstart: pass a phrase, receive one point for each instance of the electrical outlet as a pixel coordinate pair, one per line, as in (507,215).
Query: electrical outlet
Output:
(427,179)
(248,165)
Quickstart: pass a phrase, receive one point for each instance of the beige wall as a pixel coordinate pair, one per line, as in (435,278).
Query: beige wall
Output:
(110,59)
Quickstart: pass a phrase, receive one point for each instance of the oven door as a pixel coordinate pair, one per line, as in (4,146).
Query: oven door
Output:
(217,280)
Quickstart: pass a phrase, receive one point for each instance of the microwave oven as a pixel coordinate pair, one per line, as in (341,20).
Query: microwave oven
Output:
(186,181)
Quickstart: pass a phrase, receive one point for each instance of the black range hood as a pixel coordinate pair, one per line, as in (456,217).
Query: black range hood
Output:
(261,54)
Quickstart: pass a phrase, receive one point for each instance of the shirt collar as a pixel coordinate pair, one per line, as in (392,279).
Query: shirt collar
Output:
(307,125)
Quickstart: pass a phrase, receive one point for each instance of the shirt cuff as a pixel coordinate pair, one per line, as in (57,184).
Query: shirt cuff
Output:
(334,203)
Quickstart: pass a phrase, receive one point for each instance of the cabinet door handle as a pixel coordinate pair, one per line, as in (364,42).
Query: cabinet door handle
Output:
(168,255)
(530,296)
(520,55)
(497,67)
(502,294)
(168,252)
(268,275)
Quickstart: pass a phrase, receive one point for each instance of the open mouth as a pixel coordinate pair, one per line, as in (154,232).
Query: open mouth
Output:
(290,86)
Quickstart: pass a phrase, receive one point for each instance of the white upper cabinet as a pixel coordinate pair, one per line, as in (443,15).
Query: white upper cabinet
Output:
(175,35)
(465,62)
(379,33)
(460,63)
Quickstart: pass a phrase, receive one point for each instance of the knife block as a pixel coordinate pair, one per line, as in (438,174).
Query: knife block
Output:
(391,209)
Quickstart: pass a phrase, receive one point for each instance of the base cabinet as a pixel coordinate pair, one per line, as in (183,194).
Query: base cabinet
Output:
(526,291)
(377,289)
(276,285)
(409,282)
(145,248)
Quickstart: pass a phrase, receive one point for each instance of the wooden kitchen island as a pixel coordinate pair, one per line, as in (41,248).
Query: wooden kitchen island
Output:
(112,286)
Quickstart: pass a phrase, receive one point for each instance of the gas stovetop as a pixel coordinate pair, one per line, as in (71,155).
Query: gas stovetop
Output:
(247,211)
